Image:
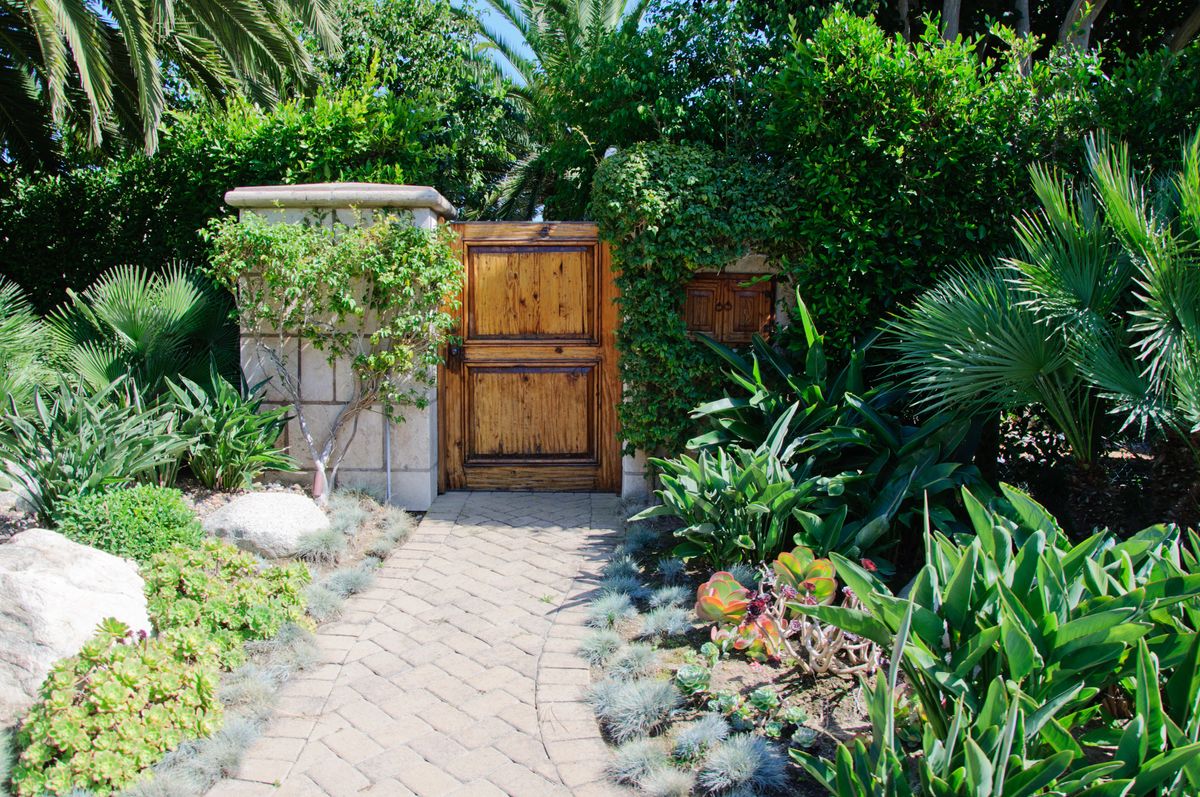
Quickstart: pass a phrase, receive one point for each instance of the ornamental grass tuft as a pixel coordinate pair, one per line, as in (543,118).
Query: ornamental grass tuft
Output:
(745,762)
(667,782)
(598,647)
(666,621)
(629,709)
(636,661)
(610,609)
(633,761)
(696,738)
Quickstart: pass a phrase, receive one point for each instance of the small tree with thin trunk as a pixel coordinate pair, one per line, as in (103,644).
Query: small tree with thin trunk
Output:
(378,298)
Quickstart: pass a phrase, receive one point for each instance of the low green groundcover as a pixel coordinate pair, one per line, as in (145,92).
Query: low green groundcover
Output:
(134,522)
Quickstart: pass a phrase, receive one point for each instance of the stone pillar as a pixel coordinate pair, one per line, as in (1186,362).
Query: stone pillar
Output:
(413,444)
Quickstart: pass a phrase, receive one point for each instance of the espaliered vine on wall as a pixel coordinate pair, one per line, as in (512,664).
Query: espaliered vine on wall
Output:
(669,211)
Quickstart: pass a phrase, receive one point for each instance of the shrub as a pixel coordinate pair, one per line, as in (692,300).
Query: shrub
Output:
(72,443)
(111,712)
(134,522)
(381,296)
(234,441)
(628,709)
(23,346)
(225,593)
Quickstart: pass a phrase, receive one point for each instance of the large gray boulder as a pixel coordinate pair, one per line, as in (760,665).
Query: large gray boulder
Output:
(269,524)
(53,594)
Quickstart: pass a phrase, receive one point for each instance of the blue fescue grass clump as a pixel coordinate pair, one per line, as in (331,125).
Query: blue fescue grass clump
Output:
(321,547)
(397,525)
(695,738)
(323,603)
(610,609)
(670,570)
(598,647)
(629,709)
(667,782)
(624,585)
(8,757)
(350,581)
(633,761)
(747,576)
(639,537)
(671,596)
(744,762)
(621,566)
(665,622)
(348,512)
(636,661)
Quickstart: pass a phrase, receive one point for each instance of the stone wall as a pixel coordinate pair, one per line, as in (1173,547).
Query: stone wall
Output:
(386,457)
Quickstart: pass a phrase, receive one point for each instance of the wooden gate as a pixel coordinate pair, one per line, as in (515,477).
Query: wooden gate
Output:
(528,401)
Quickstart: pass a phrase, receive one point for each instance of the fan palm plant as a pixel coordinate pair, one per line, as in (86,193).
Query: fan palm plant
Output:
(101,66)
(147,327)
(22,346)
(1098,307)
(553,36)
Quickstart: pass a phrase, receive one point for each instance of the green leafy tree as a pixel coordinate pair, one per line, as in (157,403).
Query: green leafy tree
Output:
(98,68)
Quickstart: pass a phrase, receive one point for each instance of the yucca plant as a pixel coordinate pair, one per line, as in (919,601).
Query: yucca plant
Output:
(73,443)
(145,327)
(1098,308)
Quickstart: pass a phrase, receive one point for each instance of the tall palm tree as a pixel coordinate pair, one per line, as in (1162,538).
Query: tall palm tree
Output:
(99,66)
(554,35)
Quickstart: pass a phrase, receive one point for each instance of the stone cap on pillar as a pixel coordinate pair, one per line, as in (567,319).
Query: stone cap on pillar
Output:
(341,195)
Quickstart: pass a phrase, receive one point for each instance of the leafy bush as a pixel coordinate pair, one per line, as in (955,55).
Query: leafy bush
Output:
(1095,308)
(111,712)
(72,443)
(134,522)
(234,440)
(225,593)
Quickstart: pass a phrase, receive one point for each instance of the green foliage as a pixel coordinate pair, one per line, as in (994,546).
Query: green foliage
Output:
(144,327)
(73,443)
(111,711)
(1095,308)
(225,593)
(381,296)
(23,346)
(432,124)
(234,439)
(669,211)
(1006,640)
(908,156)
(134,522)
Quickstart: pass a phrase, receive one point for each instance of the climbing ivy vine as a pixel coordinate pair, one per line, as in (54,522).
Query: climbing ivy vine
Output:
(668,211)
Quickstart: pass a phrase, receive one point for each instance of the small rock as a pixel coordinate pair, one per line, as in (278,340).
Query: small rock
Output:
(269,524)
(53,594)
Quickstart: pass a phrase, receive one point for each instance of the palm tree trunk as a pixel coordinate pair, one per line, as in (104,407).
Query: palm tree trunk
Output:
(1022,7)
(1076,30)
(902,8)
(1187,30)
(951,11)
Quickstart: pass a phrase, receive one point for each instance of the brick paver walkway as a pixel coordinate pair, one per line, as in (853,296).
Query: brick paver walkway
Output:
(455,674)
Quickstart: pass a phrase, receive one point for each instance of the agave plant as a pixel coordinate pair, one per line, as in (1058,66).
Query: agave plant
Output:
(147,328)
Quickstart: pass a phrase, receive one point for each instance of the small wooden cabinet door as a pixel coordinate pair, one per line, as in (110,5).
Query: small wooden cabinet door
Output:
(529,398)
(748,309)
(701,306)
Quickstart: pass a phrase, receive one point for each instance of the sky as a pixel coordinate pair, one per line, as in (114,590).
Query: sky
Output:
(497,22)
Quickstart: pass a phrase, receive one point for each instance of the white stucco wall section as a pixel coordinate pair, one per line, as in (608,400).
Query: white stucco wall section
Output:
(402,456)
